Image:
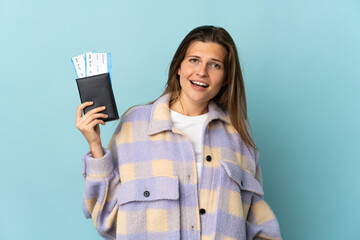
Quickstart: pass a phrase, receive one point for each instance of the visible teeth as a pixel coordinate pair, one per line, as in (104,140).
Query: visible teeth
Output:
(200,84)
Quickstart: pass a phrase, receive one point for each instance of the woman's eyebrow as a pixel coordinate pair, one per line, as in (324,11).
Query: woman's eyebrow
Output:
(194,56)
(213,59)
(217,60)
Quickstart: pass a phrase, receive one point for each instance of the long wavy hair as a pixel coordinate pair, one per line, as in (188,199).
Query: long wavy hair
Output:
(231,97)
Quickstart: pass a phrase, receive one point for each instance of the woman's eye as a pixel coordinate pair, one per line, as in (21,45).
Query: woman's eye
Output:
(193,60)
(215,65)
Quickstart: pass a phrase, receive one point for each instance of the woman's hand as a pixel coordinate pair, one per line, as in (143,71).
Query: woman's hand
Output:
(89,127)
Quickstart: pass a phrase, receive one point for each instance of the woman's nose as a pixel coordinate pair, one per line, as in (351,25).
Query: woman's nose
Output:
(202,70)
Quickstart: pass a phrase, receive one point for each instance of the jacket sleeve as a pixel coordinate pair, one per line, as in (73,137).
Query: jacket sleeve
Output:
(102,181)
(261,222)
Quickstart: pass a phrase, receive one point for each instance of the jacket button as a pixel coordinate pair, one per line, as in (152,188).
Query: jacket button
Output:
(208,158)
(202,211)
(146,193)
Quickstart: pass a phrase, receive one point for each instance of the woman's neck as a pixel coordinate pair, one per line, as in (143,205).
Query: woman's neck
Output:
(189,109)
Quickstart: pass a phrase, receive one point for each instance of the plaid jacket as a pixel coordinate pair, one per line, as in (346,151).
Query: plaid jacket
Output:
(146,185)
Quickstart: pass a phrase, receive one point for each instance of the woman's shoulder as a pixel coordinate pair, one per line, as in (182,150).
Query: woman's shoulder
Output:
(137,113)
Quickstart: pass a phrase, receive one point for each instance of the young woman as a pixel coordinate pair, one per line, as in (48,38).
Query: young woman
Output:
(185,165)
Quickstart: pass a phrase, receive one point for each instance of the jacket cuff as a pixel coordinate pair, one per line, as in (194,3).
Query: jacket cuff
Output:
(97,167)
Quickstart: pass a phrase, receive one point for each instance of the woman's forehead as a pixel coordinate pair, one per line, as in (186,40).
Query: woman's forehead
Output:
(207,49)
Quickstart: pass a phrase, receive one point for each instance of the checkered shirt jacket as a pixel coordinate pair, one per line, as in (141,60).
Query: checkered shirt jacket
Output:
(146,185)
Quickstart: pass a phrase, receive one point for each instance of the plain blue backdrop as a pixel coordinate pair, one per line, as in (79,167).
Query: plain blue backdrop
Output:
(300,61)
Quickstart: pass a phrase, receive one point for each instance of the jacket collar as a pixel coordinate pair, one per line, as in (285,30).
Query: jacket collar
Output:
(160,119)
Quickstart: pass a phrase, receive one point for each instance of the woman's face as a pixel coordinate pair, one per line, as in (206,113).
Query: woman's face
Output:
(202,72)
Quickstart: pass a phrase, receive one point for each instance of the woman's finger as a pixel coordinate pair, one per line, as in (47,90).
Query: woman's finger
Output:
(91,117)
(80,108)
(89,113)
(96,122)
(97,109)
(93,111)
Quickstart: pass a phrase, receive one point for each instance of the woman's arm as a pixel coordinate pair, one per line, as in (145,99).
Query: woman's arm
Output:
(100,198)
(100,173)
(261,222)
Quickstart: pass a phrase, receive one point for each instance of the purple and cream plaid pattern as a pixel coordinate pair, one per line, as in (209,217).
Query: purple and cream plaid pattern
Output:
(146,185)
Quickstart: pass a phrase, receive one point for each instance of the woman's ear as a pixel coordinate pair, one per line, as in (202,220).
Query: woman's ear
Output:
(178,75)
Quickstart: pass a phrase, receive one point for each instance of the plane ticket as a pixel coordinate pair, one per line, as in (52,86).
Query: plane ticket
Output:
(91,63)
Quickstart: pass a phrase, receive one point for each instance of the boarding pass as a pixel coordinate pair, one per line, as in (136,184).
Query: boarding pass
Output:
(91,63)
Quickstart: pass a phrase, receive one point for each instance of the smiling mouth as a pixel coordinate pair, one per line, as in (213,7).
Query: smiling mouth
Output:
(199,84)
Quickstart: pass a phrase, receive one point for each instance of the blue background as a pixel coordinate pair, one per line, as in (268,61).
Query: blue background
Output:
(300,62)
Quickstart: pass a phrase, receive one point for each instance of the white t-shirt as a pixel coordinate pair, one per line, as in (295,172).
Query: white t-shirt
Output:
(193,128)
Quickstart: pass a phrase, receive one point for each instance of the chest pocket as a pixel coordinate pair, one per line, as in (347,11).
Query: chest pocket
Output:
(149,208)
(245,180)
(241,186)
